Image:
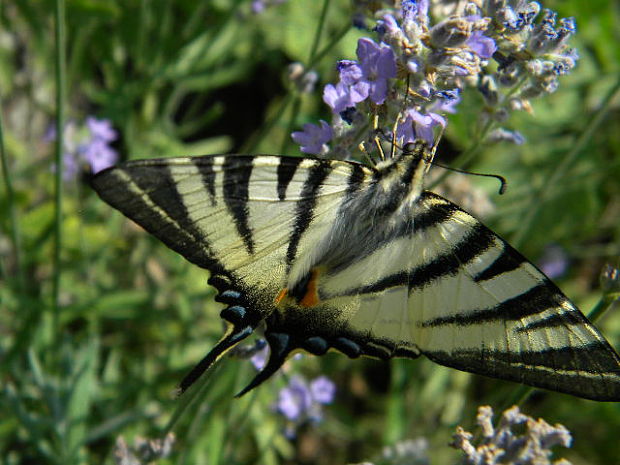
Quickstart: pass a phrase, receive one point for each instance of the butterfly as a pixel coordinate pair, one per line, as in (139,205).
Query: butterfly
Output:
(331,254)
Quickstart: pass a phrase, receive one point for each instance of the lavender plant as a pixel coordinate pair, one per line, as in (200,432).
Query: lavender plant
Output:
(501,445)
(420,60)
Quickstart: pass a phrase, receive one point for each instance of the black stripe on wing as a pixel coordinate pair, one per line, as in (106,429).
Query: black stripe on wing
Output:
(507,261)
(287,167)
(237,173)
(157,190)
(205,167)
(304,211)
(356,179)
(590,371)
(531,302)
(474,243)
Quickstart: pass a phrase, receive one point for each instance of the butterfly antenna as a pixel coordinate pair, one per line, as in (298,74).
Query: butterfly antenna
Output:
(442,130)
(501,179)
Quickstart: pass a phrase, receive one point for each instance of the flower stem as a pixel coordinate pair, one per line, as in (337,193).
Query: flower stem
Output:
(59,31)
(10,199)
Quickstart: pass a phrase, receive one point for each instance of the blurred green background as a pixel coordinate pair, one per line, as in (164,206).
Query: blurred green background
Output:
(131,317)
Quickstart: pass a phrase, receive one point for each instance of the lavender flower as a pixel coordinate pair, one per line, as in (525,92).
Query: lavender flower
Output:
(295,399)
(554,261)
(481,45)
(259,6)
(87,145)
(322,390)
(378,64)
(501,446)
(101,129)
(313,138)
(338,97)
(366,79)
(418,126)
(300,402)
(98,154)
(259,358)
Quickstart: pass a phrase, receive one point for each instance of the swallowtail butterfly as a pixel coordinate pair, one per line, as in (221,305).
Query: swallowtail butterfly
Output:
(337,255)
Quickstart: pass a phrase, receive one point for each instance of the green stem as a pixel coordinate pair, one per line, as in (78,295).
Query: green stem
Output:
(562,169)
(335,39)
(319,30)
(60,122)
(14,224)
(286,140)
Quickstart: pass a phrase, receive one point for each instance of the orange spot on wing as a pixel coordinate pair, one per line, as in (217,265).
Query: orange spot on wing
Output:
(311,297)
(281,295)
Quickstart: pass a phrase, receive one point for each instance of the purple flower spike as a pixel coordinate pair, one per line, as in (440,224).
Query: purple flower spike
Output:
(378,64)
(313,138)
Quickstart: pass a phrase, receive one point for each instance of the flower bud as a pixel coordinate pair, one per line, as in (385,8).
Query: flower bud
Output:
(451,32)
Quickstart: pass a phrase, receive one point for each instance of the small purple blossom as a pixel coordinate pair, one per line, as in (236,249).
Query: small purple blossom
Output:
(363,79)
(313,138)
(301,401)
(448,99)
(89,146)
(294,399)
(101,129)
(337,97)
(388,26)
(350,72)
(481,45)
(98,154)
(554,261)
(418,126)
(259,359)
(378,64)
(323,390)
(415,11)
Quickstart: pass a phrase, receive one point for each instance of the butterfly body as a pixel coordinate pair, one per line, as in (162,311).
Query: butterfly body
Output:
(336,255)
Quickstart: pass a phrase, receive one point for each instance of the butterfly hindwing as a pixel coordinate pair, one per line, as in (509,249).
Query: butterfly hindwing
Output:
(506,319)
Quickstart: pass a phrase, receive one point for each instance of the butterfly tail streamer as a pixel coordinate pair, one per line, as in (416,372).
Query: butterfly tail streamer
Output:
(226,343)
(279,349)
